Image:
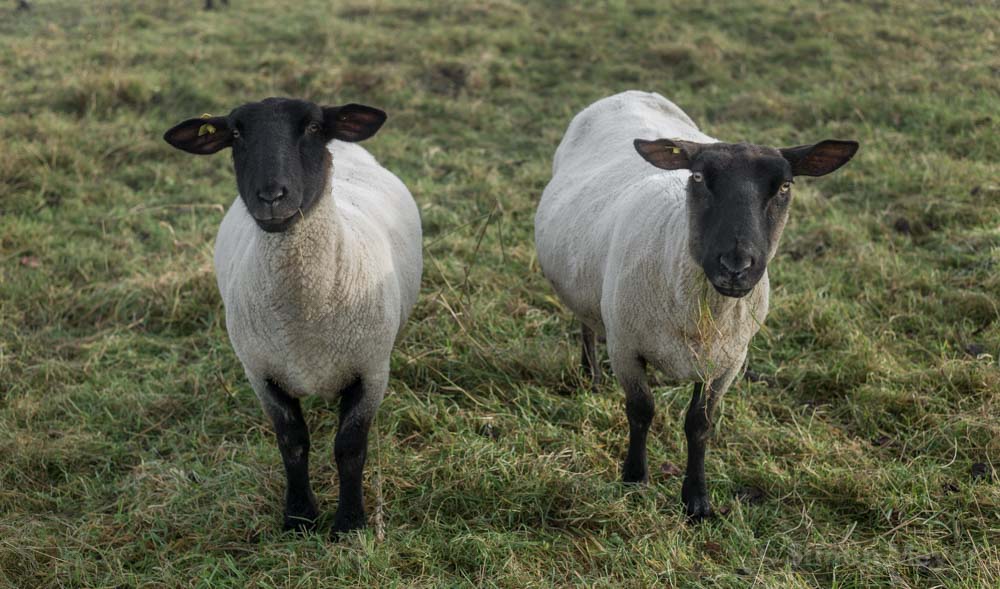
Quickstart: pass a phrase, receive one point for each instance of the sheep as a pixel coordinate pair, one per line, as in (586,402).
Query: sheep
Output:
(669,267)
(318,262)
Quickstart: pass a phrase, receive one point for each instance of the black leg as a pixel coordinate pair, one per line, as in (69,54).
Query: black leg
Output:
(697,427)
(350,450)
(293,441)
(588,356)
(640,409)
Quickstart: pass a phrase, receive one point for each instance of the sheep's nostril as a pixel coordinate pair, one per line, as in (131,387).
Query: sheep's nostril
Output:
(272,193)
(736,263)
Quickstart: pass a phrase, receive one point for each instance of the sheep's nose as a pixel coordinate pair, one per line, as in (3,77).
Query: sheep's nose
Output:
(736,262)
(272,193)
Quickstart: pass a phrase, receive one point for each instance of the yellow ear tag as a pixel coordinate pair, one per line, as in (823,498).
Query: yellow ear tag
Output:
(676,150)
(206,116)
(206,129)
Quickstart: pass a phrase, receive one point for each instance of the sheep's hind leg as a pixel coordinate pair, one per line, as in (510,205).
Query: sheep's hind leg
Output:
(697,429)
(640,409)
(292,434)
(589,361)
(358,404)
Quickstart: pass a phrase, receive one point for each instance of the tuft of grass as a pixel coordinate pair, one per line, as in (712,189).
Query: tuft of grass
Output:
(133,452)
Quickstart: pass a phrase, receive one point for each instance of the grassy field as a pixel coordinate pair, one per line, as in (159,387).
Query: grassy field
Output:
(132,450)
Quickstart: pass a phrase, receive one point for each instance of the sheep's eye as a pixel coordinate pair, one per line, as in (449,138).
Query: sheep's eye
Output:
(697,177)
(785,187)
(312,127)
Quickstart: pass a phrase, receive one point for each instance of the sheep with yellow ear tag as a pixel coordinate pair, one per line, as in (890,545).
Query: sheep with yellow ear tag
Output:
(657,236)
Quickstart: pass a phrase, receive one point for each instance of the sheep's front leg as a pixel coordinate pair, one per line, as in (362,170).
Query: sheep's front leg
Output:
(697,429)
(292,434)
(589,362)
(640,409)
(357,409)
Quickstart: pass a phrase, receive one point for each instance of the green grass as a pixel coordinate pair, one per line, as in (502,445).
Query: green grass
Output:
(132,451)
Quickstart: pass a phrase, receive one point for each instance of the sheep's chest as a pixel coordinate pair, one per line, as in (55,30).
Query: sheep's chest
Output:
(308,337)
(700,355)
(704,344)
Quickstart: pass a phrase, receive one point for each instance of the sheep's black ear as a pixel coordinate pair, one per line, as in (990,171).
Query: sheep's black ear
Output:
(821,158)
(668,154)
(201,136)
(352,122)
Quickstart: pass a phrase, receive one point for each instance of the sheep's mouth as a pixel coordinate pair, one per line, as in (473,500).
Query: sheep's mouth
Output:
(735,293)
(278,225)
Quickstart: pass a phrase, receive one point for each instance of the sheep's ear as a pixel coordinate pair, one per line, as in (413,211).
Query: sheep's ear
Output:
(668,154)
(201,136)
(821,158)
(352,122)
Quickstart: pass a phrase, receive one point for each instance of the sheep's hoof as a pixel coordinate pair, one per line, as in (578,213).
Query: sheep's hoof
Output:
(696,503)
(343,524)
(632,475)
(698,509)
(301,513)
(300,524)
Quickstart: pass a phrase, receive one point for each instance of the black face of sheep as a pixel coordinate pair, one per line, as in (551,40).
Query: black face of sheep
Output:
(738,200)
(279,151)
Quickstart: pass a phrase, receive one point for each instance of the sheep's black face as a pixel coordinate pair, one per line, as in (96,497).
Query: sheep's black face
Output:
(738,199)
(279,151)
(737,205)
(281,161)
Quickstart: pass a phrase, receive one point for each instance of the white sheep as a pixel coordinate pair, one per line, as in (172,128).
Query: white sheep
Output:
(669,266)
(318,262)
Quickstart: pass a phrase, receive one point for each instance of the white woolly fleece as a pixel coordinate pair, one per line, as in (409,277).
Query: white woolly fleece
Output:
(612,236)
(321,304)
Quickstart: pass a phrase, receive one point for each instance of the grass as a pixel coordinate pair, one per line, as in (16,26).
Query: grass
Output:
(133,451)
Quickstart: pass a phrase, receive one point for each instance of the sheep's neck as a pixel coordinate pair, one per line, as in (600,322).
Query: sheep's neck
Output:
(706,314)
(310,260)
